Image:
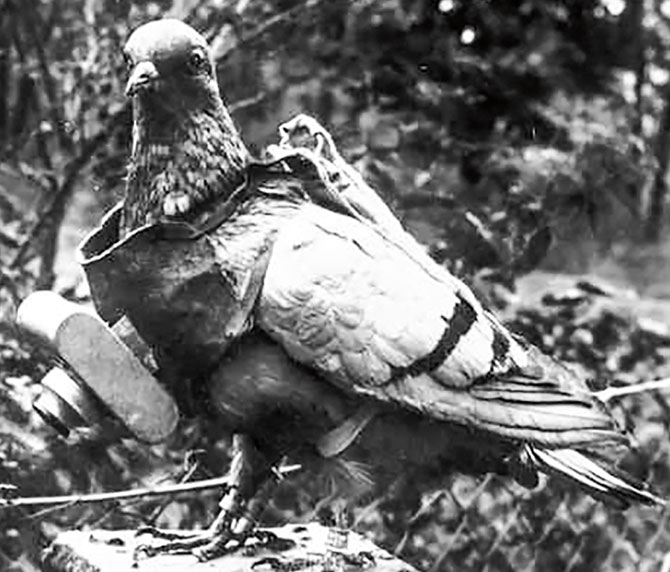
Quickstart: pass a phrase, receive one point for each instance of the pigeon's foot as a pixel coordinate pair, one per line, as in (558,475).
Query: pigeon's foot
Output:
(171,543)
(205,546)
(251,483)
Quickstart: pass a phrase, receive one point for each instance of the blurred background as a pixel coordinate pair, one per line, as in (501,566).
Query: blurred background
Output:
(526,143)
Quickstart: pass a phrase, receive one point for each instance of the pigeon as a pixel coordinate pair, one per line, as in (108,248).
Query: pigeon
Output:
(355,351)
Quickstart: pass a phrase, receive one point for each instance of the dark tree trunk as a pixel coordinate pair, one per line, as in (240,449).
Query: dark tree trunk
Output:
(640,61)
(659,189)
(4,77)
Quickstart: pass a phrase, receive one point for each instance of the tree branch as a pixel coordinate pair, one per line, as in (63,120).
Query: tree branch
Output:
(33,21)
(268,25)
(71,172)
(637,6)
(247,102)
(659,189)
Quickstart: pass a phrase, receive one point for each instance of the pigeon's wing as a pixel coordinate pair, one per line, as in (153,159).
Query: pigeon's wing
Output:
(380,322)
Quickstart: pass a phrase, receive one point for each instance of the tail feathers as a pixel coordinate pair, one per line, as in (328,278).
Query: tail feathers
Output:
(598,481)
(344,477)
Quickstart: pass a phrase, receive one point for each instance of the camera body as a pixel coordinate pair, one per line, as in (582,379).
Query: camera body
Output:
(104,379)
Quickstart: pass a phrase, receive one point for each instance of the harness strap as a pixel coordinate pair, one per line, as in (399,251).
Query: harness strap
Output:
(339,439)
(257,174)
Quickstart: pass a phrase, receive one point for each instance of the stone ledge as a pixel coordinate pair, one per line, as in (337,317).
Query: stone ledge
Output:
(112,551)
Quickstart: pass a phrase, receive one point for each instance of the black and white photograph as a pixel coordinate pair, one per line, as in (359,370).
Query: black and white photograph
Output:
(334,285)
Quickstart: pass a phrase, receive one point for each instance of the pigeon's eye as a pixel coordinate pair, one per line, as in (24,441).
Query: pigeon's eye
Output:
(197,62)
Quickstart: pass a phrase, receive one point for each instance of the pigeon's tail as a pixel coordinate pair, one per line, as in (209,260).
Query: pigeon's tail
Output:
(605,484)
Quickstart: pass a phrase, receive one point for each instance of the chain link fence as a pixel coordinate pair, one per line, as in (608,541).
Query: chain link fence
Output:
(493,524)
(469,524)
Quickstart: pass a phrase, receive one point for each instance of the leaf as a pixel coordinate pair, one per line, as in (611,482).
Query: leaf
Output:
(534,252)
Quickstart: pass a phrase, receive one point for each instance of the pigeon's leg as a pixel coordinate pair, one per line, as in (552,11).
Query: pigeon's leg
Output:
(228,533)
(250,472)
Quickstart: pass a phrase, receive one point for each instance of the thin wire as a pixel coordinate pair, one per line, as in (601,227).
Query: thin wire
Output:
(70,500)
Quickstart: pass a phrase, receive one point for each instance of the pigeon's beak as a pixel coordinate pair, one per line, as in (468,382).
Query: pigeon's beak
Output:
(142,76)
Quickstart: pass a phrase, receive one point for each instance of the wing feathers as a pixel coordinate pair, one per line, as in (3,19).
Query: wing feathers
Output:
(342,299)
(511,392)
(554,422)
(463,318)
(600,482)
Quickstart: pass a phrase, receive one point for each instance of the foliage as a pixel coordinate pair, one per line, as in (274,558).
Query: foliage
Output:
(437,100)
(494,129)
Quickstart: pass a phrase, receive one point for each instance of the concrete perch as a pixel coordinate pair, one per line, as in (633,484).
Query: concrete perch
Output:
(299,547)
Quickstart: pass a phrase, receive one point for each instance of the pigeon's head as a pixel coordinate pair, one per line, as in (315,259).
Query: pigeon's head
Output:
(171,67)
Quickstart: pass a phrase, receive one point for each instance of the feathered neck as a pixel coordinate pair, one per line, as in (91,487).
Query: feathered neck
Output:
(188,159)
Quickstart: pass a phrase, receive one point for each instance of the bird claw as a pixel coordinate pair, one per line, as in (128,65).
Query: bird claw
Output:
(157,533)
(174,543)
(204,546)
